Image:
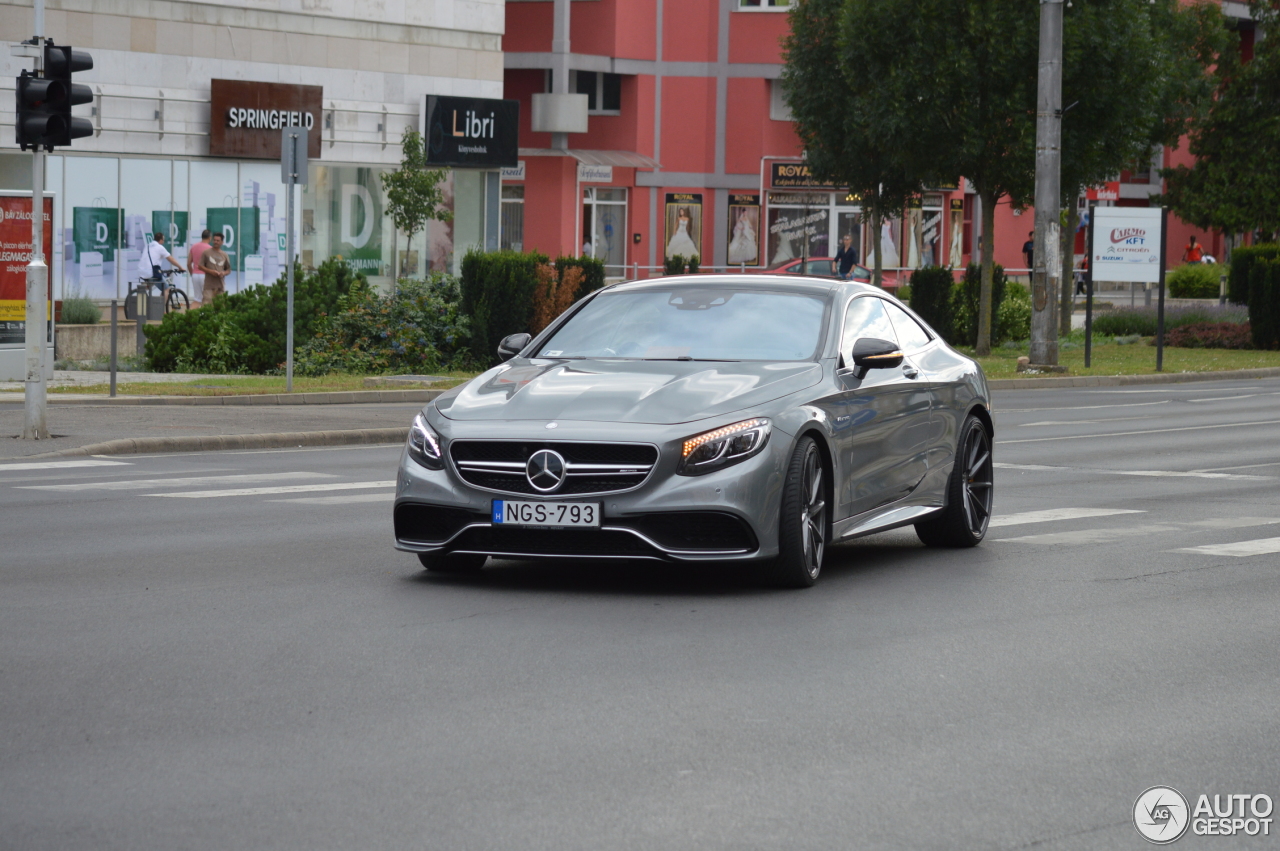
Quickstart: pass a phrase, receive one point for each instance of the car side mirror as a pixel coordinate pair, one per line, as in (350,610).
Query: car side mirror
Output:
(870,353)
(512,344)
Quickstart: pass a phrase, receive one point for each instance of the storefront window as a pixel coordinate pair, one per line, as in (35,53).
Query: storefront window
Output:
(799,225)
(512,218)
(604,226)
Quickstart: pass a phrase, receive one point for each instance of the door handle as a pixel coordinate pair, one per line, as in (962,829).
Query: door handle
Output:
(910,371)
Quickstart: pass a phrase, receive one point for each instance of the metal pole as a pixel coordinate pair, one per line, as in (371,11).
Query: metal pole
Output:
(34,423)
(1047,274)
(288,258)
(141,295)
(115,322)
(1088,298)
(1164,239)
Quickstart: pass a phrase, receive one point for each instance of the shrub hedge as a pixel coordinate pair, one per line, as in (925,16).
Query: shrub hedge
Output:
(592,272)
(419,328)
(1125,321)
(244,332)
(951,308)
(1195,280)
(80,310)
(1242,260)
(1264,302)
(931,291)
(1210,335)
(497,294)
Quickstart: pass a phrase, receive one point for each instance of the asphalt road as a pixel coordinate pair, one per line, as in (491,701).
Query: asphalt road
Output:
(193,657)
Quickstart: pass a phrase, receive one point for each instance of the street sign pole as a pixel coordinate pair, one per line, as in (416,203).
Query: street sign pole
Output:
(293,165)
(1088,298)
(1164,243)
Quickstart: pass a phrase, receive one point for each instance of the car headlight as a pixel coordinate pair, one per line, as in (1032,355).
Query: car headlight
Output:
(718,448)
(424,444)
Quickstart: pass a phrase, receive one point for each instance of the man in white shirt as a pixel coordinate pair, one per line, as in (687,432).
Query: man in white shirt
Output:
(153,255)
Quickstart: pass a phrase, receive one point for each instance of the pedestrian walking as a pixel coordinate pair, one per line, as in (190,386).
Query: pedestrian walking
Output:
(1029,249)
(193,259)
(846,257)
(216,265)
(1194,253)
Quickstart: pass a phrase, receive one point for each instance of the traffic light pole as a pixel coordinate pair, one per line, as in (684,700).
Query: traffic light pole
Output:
(34,423)
(1046,280)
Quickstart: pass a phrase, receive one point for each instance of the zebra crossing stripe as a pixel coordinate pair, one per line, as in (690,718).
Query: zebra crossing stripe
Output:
(1239,549)
(1052,514)
(327,486)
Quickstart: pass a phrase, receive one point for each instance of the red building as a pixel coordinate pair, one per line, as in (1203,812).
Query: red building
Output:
(651,129)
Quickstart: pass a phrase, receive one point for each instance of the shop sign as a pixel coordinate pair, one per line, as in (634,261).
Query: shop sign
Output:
(239,229)
(684,225)
(515,172)
(472,132)
(957,205)
(95,229)
(15,254)
(744,230)
(1106,192)
(794,176)
(1126,244)
(595,173)
(245,117)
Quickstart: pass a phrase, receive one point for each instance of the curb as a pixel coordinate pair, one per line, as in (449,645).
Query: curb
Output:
(1125,380)
(213,443)
(349,397)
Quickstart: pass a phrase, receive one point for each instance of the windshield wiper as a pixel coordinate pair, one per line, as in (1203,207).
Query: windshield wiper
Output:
(699,360)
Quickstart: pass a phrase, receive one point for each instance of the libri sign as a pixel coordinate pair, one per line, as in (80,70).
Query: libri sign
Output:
(245,118)
(472,132)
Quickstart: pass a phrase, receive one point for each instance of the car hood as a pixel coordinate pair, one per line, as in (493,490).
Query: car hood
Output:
(660,392)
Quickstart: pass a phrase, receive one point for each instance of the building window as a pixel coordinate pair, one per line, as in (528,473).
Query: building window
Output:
(512,219)
(764,5)
(778,109)
(603,91)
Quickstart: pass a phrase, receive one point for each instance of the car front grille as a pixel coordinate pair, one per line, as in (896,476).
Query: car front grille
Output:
(695,530)
(431,524)
(591,468)
(553,542)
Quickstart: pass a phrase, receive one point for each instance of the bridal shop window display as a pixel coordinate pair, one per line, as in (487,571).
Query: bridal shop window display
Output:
(799,225)
(744,229)
(604,226)
(684,224)
(924,231)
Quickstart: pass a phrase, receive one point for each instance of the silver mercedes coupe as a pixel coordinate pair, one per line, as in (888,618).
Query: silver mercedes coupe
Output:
(741,418)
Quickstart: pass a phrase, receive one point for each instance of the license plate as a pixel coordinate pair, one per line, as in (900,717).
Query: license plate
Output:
(584,515)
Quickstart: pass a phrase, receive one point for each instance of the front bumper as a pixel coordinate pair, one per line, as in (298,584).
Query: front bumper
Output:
(728,515)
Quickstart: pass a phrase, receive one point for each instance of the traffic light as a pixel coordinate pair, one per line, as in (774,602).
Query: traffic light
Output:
(44,102)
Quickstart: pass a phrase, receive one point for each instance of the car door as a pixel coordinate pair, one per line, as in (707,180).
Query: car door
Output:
(881,421)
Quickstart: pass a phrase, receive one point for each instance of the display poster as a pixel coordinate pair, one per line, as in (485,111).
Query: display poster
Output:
(173,225)
(239,229)
(955,251)
(1126,244)
(15,254)
(96,229)
(799,226)
(684,224)
(358,237)
(744,230)
(924,237)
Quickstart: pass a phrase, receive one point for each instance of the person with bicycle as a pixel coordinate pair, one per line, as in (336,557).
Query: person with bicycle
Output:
(149,263)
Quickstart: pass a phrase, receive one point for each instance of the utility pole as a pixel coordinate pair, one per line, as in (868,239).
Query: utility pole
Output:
(1046,280)
(35,422)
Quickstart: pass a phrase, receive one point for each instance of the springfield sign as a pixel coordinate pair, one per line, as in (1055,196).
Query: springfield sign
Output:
(1127,244)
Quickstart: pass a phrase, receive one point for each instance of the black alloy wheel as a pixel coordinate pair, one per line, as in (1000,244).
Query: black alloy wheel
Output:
(802,538)
(176,301)
(451,563)
(970,489)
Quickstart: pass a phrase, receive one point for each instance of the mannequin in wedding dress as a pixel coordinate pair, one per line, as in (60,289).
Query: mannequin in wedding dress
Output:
(681,243)
(743,247)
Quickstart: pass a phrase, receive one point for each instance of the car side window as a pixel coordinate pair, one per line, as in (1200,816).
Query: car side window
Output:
(865,317)
(910,335)
(819,267)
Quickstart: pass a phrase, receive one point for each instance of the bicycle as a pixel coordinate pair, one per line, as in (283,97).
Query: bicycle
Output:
(175,299)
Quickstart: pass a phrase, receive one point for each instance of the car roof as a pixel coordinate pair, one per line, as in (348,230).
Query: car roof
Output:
(798,283)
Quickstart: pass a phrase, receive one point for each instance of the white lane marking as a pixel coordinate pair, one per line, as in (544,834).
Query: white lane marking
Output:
(141,484)
(1052,514)
(1084,422)
(1083,407)
(60,465)
(345,499)
(1089,536)
(1194,474)
(327,486)
(1240,549)
(1232,398)
(1238,467)
(1103,536)
(1148,431)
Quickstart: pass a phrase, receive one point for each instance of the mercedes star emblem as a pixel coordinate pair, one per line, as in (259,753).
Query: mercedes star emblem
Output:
(545,470)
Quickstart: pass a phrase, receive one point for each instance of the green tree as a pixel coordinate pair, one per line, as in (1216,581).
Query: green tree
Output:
(413,191)
(842,143)
(1234,184)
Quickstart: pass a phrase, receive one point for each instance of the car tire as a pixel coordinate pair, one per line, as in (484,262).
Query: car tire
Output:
(970,492)
(804,528)
(452,563)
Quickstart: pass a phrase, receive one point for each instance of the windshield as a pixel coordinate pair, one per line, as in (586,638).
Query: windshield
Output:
(691,323)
